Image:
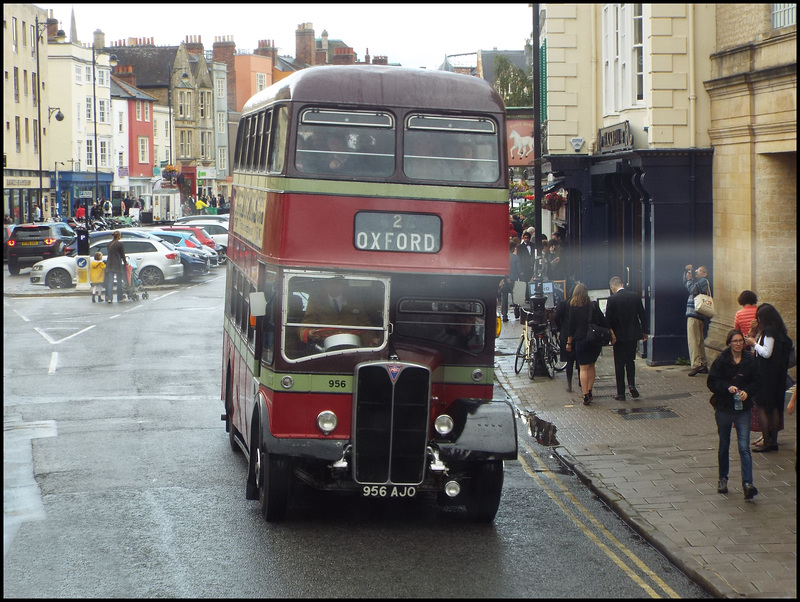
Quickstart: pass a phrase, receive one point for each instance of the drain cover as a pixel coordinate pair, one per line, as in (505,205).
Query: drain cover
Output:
(645,413)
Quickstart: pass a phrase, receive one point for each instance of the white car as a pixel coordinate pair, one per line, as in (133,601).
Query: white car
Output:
(157,262)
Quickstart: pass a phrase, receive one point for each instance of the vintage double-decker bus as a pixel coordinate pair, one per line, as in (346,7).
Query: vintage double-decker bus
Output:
(368,234)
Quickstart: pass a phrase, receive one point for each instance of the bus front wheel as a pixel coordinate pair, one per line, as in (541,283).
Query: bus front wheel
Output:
(486,487)
(272,479)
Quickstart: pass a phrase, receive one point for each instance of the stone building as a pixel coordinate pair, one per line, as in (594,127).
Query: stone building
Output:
(664,124)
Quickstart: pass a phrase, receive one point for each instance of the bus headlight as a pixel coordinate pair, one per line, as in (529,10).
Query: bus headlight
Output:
(287,382)
(327,421)
(443,424)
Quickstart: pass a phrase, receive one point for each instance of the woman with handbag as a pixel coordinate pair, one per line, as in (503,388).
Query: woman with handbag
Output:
(583,315)
(771,346)
(567,355)
(734,374)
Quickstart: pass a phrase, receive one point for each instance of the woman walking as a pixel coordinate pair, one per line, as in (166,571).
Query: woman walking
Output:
(742,321)
(771,346)
(581,311)
(562,324)
(734,380)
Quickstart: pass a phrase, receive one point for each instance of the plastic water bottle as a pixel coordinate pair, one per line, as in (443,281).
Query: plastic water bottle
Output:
(737,401)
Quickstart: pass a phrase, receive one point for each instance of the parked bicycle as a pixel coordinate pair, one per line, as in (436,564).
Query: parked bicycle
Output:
(538,345)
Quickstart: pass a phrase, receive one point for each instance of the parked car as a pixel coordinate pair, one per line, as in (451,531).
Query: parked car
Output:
(158,261)
(7,229)
(198,231)
(187,240)
(216,230)
(186,219)
(29,243)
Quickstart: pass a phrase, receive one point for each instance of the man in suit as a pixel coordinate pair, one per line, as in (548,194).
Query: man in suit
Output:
(527,257)
(625,314)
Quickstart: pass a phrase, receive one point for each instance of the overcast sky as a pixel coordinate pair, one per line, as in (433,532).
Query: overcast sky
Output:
(414,35)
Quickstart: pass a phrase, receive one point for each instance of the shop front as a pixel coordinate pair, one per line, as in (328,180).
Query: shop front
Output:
(79,187)
(641,215)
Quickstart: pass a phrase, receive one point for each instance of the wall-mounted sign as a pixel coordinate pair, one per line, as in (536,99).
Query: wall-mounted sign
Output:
(615,138)
(519,142)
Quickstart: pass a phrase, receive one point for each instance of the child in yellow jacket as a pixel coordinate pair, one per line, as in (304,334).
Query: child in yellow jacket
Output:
(97,273)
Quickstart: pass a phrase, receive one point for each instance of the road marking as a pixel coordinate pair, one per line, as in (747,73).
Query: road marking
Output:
(53,362)
(50,340)
(608,535)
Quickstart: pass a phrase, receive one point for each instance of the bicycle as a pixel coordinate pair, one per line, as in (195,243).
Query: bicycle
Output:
(538,346)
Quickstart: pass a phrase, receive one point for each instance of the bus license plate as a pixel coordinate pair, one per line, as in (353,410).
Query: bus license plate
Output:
(398,232)
(389,491)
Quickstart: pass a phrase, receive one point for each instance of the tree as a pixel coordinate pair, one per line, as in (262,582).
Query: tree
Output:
(512,83)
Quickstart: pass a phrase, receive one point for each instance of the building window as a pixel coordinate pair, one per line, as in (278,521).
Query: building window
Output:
(181,103)
(88,109)
(102,115)
(14,41)
(121,159)
(144,150)
(35,137)
(784,15)
(78,78)
(261,81)
(121,122)
(34,41)
(35,88)
(155,128)
(138,110)
(18,133)
(102,78)
(220,88)
(89,152)
(623,57)
(221,122)
(25,82)
(27,132)
(222,158)
(203,145)
(88,71)
(16,84)
(147,111)
(104,153)
(202,105)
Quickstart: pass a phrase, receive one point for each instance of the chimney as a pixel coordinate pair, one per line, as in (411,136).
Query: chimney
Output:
(305,43)
(366,57)
(124,73)
(99,39)
(343,56)
(52,26)
(194,45)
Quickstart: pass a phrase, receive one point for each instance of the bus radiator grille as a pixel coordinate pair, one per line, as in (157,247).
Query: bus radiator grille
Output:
(391,424)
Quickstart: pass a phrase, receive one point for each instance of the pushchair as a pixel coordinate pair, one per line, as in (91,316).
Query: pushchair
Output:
(133,288)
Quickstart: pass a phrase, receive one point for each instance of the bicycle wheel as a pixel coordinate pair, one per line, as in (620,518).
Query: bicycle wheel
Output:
(532,355)
(519,360)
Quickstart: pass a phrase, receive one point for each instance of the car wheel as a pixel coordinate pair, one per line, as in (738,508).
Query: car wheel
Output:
(58,278)
(13,267)
(151,276)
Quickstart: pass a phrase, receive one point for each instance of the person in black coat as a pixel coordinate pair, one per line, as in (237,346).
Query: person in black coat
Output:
(734,371)
(567,355)
(116,266)
(771,346)
(581,310)
(628,321)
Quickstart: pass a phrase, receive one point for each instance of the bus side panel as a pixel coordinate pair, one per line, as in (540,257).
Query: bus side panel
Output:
(474,236)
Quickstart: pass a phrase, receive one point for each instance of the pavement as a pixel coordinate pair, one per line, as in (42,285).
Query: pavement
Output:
(653,460)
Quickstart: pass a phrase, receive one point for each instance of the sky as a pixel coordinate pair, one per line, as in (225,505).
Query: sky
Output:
(414,35)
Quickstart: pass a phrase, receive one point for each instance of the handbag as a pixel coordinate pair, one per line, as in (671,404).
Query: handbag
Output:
(704,304)
(596,334)
(713,400)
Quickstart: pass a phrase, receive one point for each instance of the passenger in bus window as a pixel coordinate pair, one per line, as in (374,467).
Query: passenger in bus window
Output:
(336,306)
(421,157)
(339,158)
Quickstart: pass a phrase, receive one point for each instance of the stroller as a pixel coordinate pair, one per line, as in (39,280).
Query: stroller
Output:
(133,288)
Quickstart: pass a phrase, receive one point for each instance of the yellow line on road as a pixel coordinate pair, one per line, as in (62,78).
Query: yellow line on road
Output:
(608,535)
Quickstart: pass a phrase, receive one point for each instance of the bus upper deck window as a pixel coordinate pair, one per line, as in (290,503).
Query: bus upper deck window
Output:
(451,149)
(345,143)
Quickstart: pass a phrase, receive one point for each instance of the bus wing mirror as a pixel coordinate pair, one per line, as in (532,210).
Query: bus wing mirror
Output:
(258,304)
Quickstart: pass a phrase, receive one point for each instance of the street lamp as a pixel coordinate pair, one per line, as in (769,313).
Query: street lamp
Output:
(58,194)
(60,37)
(184,79)
(112,60)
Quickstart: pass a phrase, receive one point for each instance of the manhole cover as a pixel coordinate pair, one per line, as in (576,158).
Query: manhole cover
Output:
(645,413)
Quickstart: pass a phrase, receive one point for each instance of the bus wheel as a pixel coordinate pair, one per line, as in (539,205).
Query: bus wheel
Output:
(272,478)
(229,415)
(486,487)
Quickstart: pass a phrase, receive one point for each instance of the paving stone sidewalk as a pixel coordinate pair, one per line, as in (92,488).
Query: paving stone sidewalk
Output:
(657,468)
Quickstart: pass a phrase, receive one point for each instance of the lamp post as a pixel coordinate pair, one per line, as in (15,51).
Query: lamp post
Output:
(60,37)
(537,149)
(112,60)
(58,194)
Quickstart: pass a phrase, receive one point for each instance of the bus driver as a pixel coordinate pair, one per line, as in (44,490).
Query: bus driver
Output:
(335,307)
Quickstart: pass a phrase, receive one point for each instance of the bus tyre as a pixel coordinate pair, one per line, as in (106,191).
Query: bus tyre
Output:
(229,416)
(272,479)
(486,487)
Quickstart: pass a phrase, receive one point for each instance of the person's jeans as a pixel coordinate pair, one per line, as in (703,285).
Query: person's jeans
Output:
(624,362)
(110,284)
(741,420)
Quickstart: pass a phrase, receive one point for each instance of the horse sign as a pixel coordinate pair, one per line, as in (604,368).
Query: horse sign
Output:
(521,143)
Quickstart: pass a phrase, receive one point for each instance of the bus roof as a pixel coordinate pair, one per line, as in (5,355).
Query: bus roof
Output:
(382,86)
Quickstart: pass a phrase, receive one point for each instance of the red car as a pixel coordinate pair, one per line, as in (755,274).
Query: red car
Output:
(198,231)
